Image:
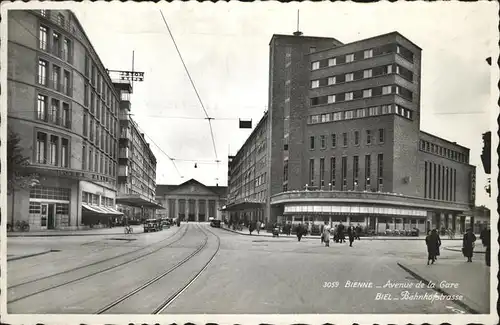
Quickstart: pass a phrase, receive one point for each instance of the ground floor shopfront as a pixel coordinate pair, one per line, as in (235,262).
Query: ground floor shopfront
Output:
(378,212)
(61,203)
(137,208)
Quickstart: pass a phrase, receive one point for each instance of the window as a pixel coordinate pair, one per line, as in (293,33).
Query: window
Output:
(349,115)
(315,65)
(56,77)
(64,153)
(42,108)
(367,73)
(344,139)
(66,83)
(386,109)
(344,173)
(361,112)
(381,135)
(42,72)
(334,140)
(355,172)
(349,58)
(331,99)
(368,54)
(66,116)
(84,157)
(41,144)
(86,95)
(332,172)
(314,83)
(87,65)
(67,50)
(368,136)
(91,157)
(42,37)
(54,111)
(349,96)
(337,116)
(380,171)
(60,19)
(373,110)
(323,141)
(91,130)
(356,138)
(325,118)
(56,44)
(92,102)
(367,93)
(311,143)
(285,172)
(312,49)
(332,81)
(322,171)
(349,77)
(96,162)
(367,171)
(386,90)
(53,150)
(311,172)
(332,62)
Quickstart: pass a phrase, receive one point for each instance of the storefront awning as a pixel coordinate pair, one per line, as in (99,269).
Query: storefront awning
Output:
(337,209)
(246,205)
(138,202)
(100,210)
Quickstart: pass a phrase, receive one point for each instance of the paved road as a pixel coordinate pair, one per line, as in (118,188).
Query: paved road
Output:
(247,275)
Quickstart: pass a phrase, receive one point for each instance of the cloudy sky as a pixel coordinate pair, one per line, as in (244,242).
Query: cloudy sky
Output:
(225,47)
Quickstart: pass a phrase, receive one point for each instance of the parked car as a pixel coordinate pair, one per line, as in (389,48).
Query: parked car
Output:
(215,223)
(152,225)
(415,232)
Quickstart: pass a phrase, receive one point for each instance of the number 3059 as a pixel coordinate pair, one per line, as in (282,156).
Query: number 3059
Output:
(331,284)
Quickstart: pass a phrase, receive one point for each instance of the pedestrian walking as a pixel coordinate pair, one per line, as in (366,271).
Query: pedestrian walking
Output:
(326,235)
(350,234)
(341,234)
(433,242)
(300,231)
(486,239)
(468,244)
(257,226)
(358,232)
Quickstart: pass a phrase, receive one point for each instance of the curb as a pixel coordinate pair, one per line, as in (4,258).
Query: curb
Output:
(460,250)
(461,303)
(318,237)
(15,258)
(69,234)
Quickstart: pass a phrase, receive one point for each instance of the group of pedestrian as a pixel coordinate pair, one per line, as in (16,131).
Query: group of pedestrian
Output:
(339,232)
(255,225)
(433,242)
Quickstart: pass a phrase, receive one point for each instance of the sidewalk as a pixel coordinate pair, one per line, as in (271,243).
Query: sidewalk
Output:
(478,249)
(264,233)
(25,252)
(119,230)
(473,280)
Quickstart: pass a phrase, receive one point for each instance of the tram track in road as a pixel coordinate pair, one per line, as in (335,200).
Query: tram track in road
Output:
(94,273)
(166,302)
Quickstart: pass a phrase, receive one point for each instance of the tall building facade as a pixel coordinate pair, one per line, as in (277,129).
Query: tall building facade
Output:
(344,138)
(192,201)
(63,105)
(136,174)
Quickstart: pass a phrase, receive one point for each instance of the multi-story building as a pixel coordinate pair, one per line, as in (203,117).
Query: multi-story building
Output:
(136,163)
(344,139)
(192,201)
(63,105)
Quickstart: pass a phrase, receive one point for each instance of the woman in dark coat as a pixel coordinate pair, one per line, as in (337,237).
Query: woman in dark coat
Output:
(468,244)
(433,242)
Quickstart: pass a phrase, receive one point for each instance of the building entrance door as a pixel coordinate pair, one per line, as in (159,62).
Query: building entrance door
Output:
(43,216)
(51,216)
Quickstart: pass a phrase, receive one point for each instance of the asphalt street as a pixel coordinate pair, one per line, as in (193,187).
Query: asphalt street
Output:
(113,274)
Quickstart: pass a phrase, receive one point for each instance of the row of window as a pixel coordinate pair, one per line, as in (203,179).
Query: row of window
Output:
(362,74)
(53,42)
(360,113)
(363,55)
(100,85)
(54,77)
(52,150)
(363,93)
(345,139)
(57,113)
(95,161)
(100,109)
(444,152)
(440,182)
(50,193)
(98,200)
(355,177)
(96,134)
(61,209)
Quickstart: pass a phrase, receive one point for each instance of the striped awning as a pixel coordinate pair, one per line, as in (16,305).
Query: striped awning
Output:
(100,210)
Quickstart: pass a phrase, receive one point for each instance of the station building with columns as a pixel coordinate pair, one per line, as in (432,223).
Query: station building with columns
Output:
(191,201)
(342,142)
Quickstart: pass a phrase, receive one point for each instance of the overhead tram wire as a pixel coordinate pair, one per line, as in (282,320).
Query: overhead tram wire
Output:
(194,87)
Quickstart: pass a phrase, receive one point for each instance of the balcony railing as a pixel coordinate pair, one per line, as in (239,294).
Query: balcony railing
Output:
(124,153)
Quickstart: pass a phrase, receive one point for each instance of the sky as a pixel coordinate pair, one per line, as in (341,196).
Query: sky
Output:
(226,49)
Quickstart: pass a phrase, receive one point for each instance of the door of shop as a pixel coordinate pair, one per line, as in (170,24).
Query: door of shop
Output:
(43,216)
(51,216)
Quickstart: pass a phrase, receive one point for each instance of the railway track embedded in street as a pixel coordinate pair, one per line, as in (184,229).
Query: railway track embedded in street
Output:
(93,264)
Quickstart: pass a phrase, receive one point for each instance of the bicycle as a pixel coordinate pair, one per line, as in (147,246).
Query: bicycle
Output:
(22,226)
(129,229)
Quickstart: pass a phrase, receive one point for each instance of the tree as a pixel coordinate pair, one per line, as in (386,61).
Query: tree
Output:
(18,178)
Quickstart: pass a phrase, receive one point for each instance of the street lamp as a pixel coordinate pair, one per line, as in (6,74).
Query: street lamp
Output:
(330,186)
(307,186)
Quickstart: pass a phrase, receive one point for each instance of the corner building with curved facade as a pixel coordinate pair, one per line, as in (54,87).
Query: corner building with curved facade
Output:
(344,140)
(63,105)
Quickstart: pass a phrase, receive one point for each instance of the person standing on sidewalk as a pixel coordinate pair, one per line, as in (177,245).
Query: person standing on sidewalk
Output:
(486,239)
(350,234)
(300,231)
(468,244)
(432,241)
(326,234)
